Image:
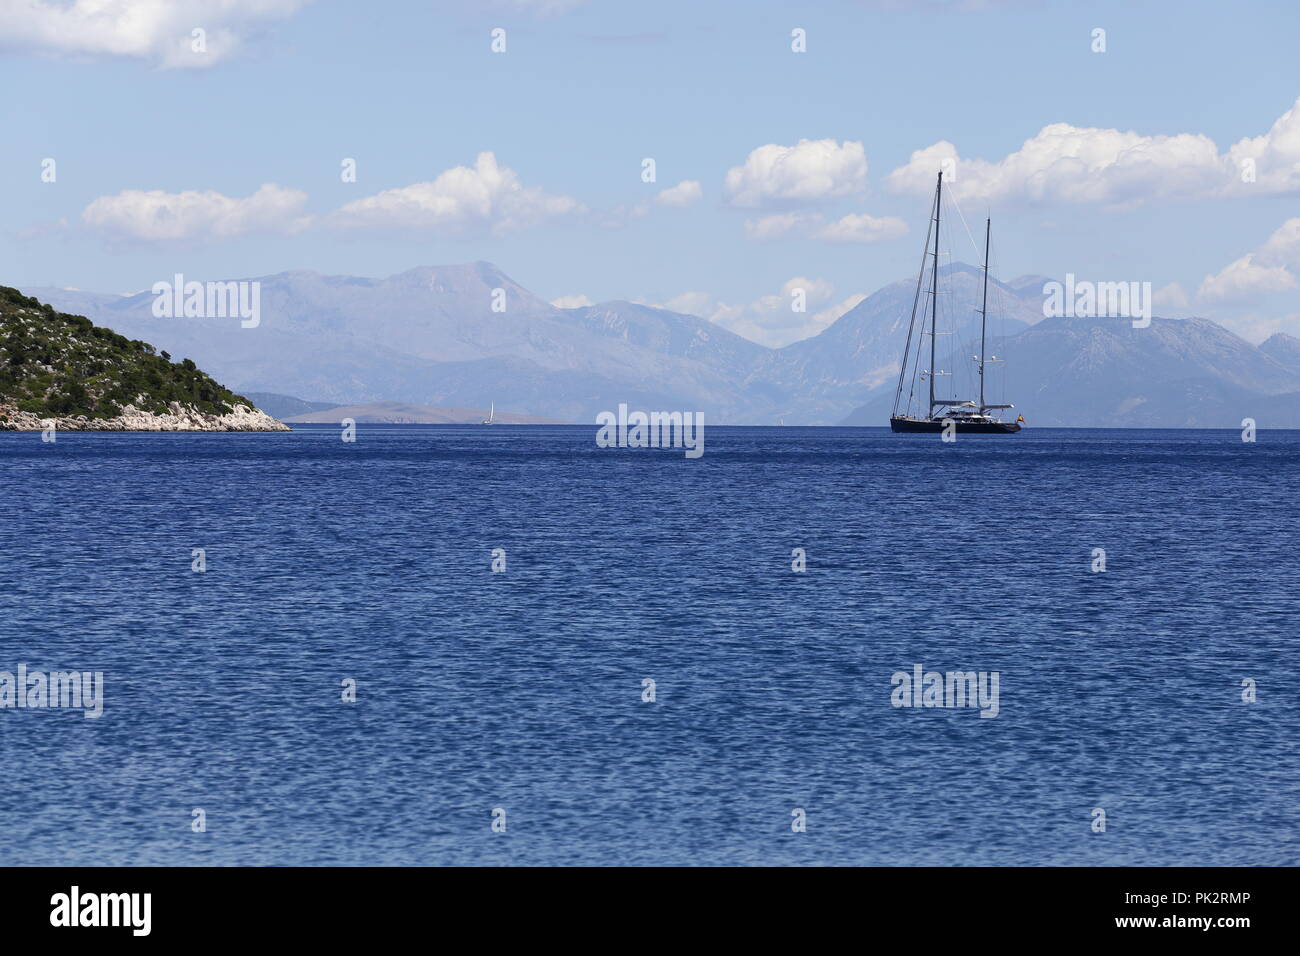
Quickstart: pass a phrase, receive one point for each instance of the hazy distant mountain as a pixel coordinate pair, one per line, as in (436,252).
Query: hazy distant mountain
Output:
(861,351)
(670,333)
(1104,372)
(283,406)
(430,336)
(1029,288)
(279,356)
(1283,349)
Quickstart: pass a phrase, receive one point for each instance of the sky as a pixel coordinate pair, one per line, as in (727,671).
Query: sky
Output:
(793,145)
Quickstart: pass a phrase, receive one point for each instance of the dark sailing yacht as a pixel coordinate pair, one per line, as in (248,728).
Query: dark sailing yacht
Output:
(965,415)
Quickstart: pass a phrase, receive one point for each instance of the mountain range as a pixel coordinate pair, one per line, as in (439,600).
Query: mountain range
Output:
(465,336)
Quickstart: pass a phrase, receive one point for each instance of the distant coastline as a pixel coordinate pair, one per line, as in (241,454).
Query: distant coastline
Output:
(405,413)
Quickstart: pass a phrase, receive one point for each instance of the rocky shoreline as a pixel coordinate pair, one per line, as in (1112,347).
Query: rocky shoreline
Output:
(179,418)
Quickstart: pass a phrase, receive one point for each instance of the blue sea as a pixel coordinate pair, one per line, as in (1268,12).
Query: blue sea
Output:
(522,691)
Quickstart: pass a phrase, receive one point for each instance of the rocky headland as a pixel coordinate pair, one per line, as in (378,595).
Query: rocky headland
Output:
(64,371)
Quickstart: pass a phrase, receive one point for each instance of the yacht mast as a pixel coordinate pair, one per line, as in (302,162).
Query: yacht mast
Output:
(934,288)
(911,329)
(984,306)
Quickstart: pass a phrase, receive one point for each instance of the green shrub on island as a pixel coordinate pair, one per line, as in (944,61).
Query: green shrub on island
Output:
(63,366)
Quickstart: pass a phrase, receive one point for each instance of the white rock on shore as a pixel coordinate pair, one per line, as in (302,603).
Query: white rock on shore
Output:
(179,418)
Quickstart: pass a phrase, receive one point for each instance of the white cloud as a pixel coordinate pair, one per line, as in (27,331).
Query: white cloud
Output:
(1276,155)
(827,316)
(1245,279)
(815,290)
(1256,328)
(1172,297)
(571,302)
(154,215)
(806,172)
(487,198)
(855,227)
(860,227)
(1064,163)
(770,320)
(1284,245)
(692,303)
(159,31)
(686,193)
(1270,268)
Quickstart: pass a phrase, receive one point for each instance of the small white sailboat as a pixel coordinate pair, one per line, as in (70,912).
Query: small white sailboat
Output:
(492,415)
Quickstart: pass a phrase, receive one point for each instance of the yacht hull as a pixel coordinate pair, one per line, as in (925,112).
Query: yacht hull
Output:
(932,426)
